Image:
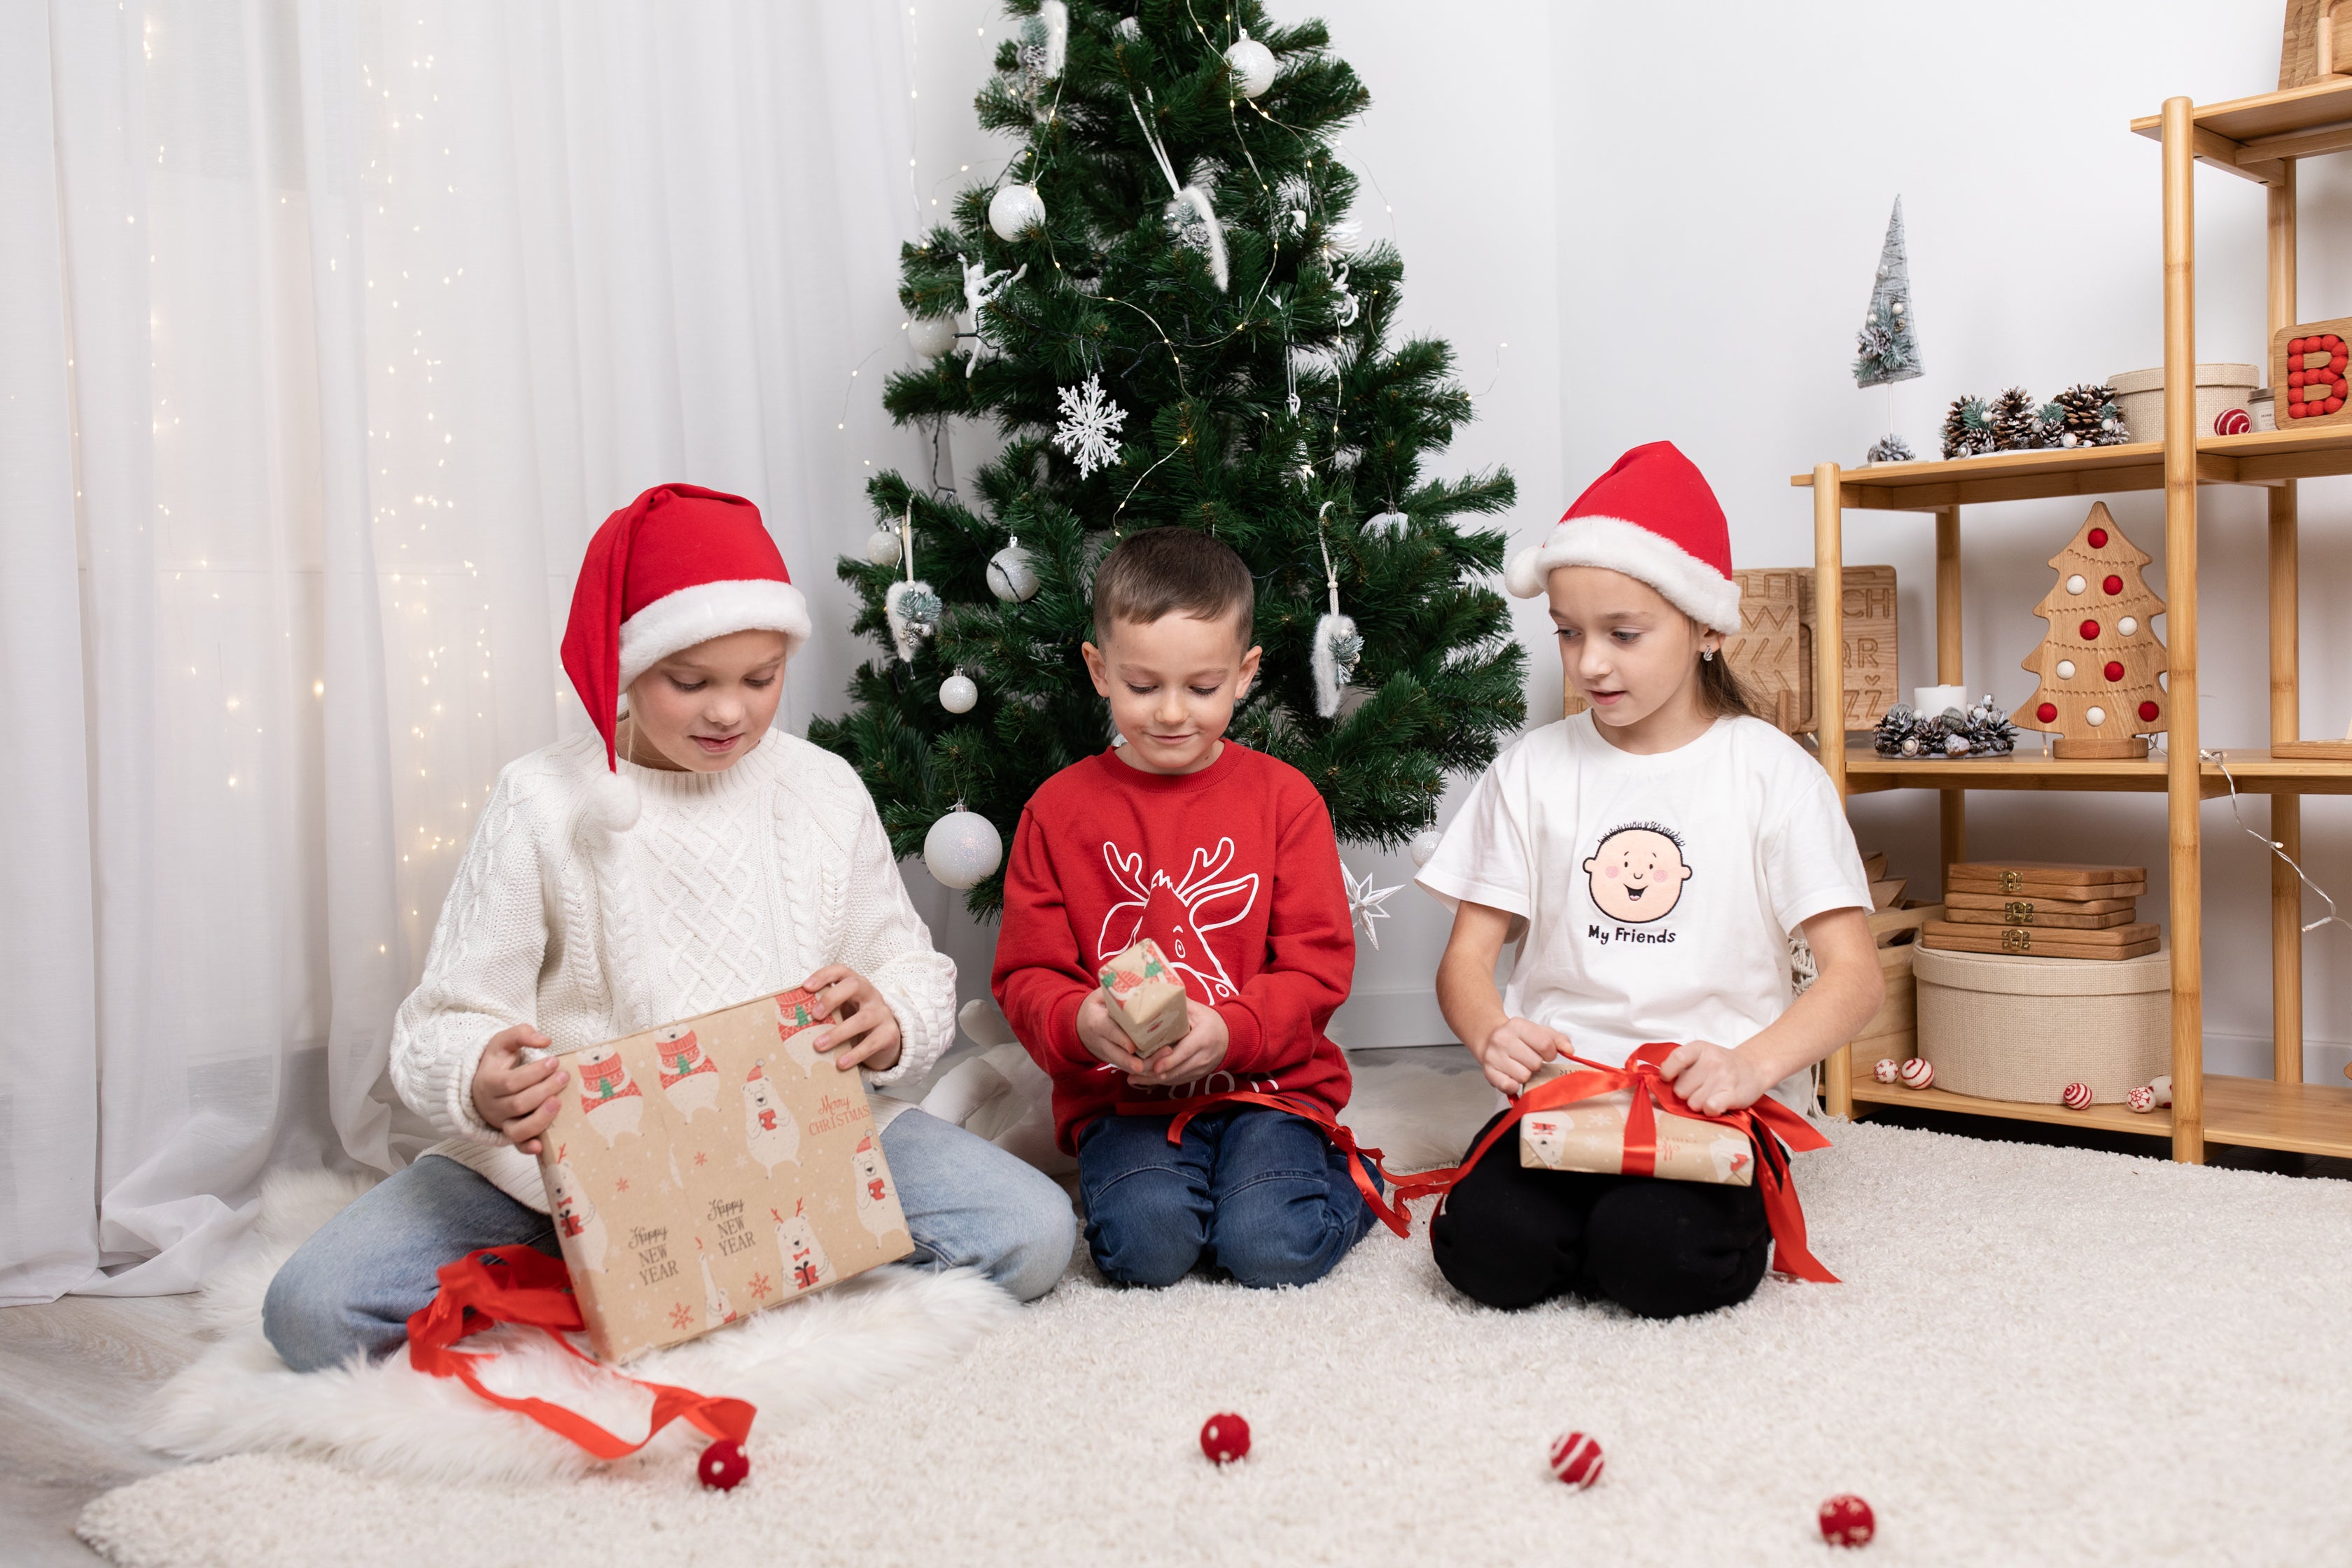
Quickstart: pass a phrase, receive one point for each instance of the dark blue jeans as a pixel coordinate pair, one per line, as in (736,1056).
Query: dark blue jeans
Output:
(1258,1193)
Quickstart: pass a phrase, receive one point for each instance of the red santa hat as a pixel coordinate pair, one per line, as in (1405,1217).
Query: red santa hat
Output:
(677,566)
(1652,517)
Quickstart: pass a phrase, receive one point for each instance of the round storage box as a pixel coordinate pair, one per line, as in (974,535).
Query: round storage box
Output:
(2221,391)
(2010,1026)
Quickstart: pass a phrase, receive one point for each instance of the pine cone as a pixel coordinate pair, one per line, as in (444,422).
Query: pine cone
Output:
(2016,423)
(2090,416)
(1968,428)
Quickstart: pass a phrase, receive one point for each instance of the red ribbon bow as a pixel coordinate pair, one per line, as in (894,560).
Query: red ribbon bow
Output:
(1767,1125)
(523,1285)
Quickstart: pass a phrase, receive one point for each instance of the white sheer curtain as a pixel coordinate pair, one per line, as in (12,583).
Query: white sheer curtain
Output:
(328,331)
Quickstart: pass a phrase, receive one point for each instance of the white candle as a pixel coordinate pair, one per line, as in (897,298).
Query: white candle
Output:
(1929,701)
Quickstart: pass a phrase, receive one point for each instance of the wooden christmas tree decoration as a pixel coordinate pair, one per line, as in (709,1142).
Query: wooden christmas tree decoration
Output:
(2100,666)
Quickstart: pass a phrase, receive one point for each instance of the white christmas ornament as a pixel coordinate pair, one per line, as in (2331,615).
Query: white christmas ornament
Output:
(1387,523)
(2096,715)
(2127,626)
(1089,432)
(913,611)
(981,288)
(882,549)
(2074,584)
(1364,902)
(2065,669)
(1011,578)
(1252,64)
(1188,209)
(962,849)
(957,693)
(931,336)
(1424,844)
(1129,28)
(1014,210)
(1337,645)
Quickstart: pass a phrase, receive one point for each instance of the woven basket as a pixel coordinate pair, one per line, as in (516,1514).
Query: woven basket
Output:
(2012,1027)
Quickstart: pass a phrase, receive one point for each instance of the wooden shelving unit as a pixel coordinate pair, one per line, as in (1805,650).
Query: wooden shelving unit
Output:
(2258,139)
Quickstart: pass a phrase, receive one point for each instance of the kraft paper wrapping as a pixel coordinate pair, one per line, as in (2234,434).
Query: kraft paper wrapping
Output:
(710,1169)
(1591,1136)
(1146,997)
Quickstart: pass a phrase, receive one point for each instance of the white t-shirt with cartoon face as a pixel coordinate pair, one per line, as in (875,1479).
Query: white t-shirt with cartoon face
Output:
(1659,891)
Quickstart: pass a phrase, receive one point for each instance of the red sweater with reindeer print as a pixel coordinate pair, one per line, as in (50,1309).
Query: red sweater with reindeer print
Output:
(1232,870)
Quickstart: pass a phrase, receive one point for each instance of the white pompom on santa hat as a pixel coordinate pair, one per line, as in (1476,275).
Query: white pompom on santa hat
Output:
(1654,516)
(677,566)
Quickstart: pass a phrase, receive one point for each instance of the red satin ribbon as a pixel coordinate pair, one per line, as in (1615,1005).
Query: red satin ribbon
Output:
(1767,1124)
(523,1285)
(1392,1215)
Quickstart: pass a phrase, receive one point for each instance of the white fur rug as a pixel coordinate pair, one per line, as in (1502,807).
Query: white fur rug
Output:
(2038,1355)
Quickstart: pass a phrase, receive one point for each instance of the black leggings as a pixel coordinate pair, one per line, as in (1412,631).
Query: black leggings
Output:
(1509,1236)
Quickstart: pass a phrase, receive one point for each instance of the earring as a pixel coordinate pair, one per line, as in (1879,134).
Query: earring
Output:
(1707,654)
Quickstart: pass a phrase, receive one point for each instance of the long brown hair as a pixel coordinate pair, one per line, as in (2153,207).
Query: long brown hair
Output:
(1720,691)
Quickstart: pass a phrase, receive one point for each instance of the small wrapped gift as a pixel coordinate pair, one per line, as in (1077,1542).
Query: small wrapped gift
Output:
(1590,1135)
(1146,997)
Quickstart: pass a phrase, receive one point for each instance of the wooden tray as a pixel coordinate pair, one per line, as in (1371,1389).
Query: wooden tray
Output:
(2044,878)
(2312,750)
(2123,941)
(2040,916)
(2123,902)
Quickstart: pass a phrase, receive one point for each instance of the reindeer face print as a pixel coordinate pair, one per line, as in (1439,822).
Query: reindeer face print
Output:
(1179,914)
(1637,874)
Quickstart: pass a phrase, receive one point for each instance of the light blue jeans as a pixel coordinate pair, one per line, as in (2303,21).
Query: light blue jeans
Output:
(352,1287)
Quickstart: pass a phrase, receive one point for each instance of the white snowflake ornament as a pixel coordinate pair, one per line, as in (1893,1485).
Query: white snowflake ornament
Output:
(1364,902)
(1089,428)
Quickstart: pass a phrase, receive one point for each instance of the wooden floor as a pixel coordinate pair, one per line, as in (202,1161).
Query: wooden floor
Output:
(74,1372)
(72,1375)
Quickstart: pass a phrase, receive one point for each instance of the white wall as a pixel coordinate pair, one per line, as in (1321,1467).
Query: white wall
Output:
(1615,191)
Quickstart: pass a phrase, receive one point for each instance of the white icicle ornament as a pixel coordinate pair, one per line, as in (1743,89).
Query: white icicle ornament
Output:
(1189,211)
(912,608)
(1337,645)
(962,849)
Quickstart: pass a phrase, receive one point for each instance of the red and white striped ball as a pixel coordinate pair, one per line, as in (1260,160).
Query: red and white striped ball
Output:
(1576,1460)
(2076,1097)
(1885,1069)
(2232,422)
(1846,1521)
(1224,1437)
(2142,1099)
(1916,1073)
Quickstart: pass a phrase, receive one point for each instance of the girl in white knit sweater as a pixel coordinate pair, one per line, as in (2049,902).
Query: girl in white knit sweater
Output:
(688,859)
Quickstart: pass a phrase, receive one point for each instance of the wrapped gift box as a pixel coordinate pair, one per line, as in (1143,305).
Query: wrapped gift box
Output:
(1590,1135)
(1146,997)
(710,1169)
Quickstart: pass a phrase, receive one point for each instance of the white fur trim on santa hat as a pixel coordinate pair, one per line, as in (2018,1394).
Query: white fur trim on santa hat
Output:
(1690,584)
(678,621)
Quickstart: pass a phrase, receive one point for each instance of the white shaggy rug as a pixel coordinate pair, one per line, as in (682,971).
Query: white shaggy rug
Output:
(2038,1355)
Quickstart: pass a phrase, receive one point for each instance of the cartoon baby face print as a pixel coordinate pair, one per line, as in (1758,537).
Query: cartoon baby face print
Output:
(1637,874)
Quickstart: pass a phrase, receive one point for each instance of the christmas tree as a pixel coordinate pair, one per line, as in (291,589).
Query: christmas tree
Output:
(2101,667)
(1887,349)
(1163,306)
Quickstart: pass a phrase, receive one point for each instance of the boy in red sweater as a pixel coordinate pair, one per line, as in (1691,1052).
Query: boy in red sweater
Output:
(1225,858)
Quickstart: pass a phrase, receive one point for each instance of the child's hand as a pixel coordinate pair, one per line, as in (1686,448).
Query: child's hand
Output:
(1196,1055)
(1104,1040)
(862,1021)
(1713,1078)
(1514,1049)
(518,1097)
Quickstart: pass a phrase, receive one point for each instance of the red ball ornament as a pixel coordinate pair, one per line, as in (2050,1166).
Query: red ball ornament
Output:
(2076,1097)
(1576,1460)
(2098,538)
(723,1466)
(1846,1521)
(2089,630)
(1224,1437)
(2047,713)
(2148,713)
(2113,585)
(2115,671)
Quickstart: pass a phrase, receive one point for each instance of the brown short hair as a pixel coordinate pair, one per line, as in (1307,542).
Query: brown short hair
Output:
(1173,570)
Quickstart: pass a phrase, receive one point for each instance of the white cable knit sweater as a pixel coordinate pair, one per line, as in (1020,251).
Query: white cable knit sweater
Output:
(731,886)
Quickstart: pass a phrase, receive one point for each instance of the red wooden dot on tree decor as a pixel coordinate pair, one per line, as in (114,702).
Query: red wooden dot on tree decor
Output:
(2090,629)
(2148,713)
(2098,538)
(2115,671)
(2113,585)
(2295,347)
(2047,713)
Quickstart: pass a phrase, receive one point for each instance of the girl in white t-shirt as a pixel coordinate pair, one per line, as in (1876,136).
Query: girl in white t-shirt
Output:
(1649,856)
